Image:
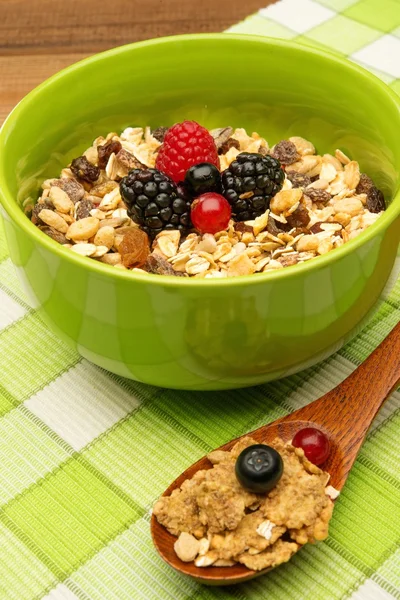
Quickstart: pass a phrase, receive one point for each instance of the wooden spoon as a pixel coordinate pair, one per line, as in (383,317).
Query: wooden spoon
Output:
(344,414)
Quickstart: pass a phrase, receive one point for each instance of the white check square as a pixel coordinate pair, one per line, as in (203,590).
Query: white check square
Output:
(298,15)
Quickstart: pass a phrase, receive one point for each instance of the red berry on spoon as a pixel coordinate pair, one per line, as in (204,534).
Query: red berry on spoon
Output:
(210,213)
(314,443)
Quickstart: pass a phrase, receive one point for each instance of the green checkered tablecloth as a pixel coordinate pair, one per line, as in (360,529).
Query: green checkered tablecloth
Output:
(84,454)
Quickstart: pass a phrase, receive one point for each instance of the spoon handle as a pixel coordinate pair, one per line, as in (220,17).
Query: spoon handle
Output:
(347,411)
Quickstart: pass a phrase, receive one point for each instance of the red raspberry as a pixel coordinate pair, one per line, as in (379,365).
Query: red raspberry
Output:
(210,213)
(185,144)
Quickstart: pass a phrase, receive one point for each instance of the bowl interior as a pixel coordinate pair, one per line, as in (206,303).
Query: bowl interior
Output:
(272,87)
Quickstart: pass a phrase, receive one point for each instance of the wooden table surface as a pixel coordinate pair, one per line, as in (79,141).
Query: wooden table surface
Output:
(40,37)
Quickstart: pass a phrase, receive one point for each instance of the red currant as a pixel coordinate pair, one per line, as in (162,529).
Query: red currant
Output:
(314,443)
(210,213)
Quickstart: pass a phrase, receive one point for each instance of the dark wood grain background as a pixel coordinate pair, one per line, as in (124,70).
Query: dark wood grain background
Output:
(40,37)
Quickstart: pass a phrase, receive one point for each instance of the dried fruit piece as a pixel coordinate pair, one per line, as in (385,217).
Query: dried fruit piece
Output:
(83,209)
(221,135)
(317,195)
(104,152)
(274,227)
(159,266)
(127,160)
(286,152)
(40,205)
(83,169)
(230,143)
(71,187)
(298,179)
(241,227)
(134,248)
(299,217)
(365,184)
(55,235)
(159,133)
(375,200)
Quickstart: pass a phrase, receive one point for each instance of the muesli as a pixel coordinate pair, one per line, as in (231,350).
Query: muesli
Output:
(189,202)
(220,521)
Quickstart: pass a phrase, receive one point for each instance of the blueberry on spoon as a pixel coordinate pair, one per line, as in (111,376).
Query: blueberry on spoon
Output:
(259,468)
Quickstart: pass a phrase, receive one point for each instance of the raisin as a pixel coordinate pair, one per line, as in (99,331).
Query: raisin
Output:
(159,133)
(55,235)
(242,227)
(83,209)
(365,184)
(84,170)
(104,152)
(134,248)
(36,210)
(159,266)
(274,227)
(71,187)
(230,143)
(298,179)
(375,200)
(286,152)
(299,217)
(317,195)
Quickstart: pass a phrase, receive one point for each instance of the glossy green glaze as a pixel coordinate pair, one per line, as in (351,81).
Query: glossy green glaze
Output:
(204,334)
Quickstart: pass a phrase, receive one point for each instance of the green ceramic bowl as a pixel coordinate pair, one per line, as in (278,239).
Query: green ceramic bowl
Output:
(204,334)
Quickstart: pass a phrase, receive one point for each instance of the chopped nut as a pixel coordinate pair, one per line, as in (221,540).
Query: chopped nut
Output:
(284,200)
(83,229)
(341,157)
(105,237)
(351,206)
(84,249)
(53,220)
(168,242)
(241,265)
(308,243)
(332,492)
(187,547)
(352,175)
(60,199)
(111,200)
(111,259)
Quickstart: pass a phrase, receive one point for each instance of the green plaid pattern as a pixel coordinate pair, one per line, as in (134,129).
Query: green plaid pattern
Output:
(84,453)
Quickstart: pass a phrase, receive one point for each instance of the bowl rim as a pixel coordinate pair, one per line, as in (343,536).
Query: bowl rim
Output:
(10,206)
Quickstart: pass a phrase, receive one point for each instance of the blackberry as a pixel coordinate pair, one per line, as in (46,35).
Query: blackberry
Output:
(249,184)
(154,202)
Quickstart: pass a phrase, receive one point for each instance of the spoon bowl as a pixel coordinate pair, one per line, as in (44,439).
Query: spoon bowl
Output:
(344,414)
